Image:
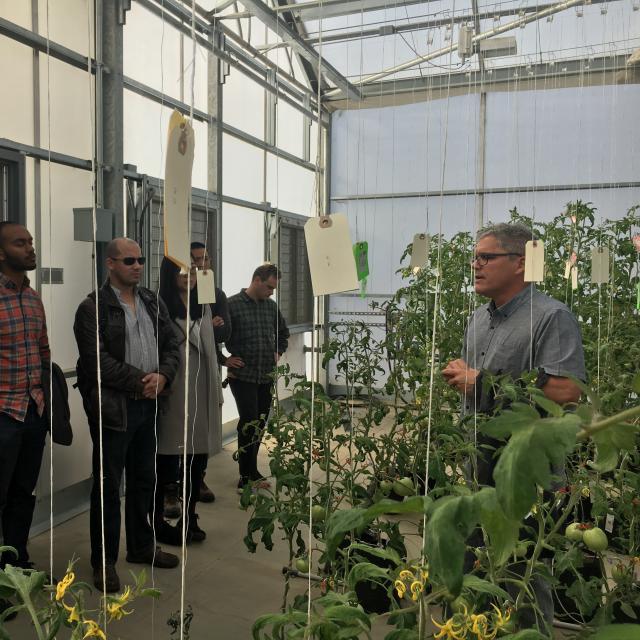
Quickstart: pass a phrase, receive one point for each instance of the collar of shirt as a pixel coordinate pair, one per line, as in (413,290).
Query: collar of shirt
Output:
(118,292)
(509,307)
(10,284)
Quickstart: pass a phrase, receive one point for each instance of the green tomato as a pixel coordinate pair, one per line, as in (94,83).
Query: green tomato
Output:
(520,550)
(404,487)
(317,513)
(574,532)
(618,572)
(302,565)
(595,539)
(386,486)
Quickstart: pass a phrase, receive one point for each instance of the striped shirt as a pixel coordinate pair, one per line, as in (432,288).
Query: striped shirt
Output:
(24,348)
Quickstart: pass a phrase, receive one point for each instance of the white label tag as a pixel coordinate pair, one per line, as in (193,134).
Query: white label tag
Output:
(608,524)
(420,250)
(600,265)
(567,269)
(534,261)
(177,190)
(574,277)
(330,253)
(206,286)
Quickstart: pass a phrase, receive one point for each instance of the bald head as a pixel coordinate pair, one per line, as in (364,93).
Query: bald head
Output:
(117,246)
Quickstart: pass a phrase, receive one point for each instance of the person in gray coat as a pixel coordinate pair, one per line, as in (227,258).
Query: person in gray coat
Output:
(204,428)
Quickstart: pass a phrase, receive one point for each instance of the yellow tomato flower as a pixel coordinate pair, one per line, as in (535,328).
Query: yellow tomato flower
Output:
(424,575)
(64,584)
(93,630)
(449,630)
(405,574)
(74,616)
(401,588)
(480,626)
(115,607)
(416,589)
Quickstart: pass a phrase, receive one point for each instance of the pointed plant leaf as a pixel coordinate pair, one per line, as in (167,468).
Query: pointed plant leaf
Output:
(616,632)
(527,461)
(451,522)
(504,424)
(366,571)
(609,443)
(503,533)
(483,586)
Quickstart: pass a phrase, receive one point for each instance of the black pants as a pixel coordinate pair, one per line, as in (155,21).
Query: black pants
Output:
(133,451)
(253,401)
(21,447)
(168,471)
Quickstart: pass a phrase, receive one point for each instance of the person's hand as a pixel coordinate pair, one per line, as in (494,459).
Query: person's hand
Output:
(234,362)
(460,376)
(217,321)
(277,356)
(154,384)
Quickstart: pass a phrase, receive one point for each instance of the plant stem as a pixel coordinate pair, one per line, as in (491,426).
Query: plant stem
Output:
(596,427)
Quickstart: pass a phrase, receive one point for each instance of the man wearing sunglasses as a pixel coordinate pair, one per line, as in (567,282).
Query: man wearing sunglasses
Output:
(519,330)
(138,357)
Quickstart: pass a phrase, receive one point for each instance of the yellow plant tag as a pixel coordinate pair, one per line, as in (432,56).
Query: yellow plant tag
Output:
(534,261)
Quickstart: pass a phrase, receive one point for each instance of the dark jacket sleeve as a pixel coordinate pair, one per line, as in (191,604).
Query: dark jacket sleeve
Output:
(170,348)
(114,373)
(282,332)
(221,308)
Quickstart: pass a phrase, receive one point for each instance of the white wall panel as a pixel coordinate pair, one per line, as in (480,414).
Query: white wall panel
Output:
(16,106)
(242,169)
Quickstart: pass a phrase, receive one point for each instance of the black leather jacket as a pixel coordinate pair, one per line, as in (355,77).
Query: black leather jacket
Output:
(119,379)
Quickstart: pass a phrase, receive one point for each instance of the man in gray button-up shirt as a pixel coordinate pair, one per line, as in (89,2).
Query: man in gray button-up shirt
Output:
(520,329)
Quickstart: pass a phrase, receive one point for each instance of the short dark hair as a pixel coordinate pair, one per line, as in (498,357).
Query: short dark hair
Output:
(4,224)
(512,237)
(198,245)
(266,271)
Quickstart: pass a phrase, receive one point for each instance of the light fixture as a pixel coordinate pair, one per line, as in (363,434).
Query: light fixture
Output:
(579,12)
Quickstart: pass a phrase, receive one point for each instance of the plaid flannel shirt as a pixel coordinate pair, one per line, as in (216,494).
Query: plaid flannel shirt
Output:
(24,348)
(258,330)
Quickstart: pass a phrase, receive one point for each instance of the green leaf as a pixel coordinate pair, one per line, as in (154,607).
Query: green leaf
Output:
(347,614)
(503,533)
(366,571)
(483,586)
(527,634)
(452,521)
(616,632)
(504,424)
(635,385)
(402,634)
(609,443)
(527,460)
(384,553)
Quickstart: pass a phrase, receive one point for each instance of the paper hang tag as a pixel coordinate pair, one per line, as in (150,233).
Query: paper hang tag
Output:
(636,241)
(574,277)
(567,269)
(206,283)
(600,265)
(361,255)
(534,261)
(177,190)
(420,250)
(608,524)
(330,253)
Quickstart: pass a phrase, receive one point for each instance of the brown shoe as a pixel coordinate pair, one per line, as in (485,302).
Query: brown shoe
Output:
(111,582)
(206,495)
(156,558)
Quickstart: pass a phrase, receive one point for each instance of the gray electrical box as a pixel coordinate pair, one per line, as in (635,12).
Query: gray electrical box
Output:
(83,224)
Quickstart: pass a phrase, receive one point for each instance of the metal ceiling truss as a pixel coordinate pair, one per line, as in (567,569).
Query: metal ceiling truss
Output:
(316,9)
(583,72)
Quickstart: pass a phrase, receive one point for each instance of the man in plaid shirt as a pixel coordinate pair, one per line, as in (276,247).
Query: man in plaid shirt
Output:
(24,352)
(259,336)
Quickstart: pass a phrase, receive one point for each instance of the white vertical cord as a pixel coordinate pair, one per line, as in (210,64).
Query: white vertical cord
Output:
(423,609)
(50,325)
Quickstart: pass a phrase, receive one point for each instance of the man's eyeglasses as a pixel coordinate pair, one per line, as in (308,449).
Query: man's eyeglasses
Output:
(130,261)
(482,259)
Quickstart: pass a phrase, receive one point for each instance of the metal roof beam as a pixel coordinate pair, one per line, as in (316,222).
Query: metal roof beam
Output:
(316,9)
(270,18)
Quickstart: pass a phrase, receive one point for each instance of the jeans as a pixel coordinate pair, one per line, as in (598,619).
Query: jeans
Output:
(253,401)
(21,447)
(131,451)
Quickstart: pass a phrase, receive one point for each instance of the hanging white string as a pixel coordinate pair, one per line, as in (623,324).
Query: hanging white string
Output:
(51,311)
(436,302)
